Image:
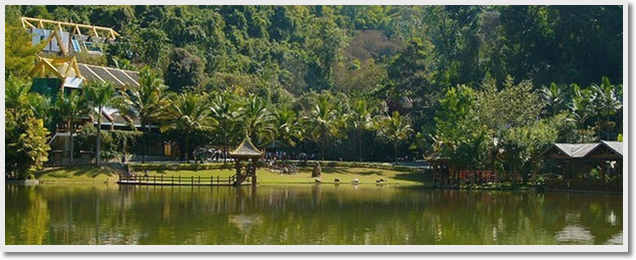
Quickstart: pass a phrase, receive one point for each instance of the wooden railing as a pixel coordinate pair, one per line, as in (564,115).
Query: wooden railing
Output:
(176,180)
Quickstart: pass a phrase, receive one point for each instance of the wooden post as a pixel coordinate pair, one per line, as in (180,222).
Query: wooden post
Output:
(254,160)
(604,171)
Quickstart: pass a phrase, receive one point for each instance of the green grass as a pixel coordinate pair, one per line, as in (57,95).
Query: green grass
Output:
(77,174)
(329,174)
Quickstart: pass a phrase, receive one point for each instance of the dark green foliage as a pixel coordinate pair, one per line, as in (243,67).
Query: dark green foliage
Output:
(26,141)
(184,70)
(262,67)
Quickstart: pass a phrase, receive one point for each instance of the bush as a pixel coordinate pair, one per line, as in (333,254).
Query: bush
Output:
(182,166)
(217,166)
(373,165)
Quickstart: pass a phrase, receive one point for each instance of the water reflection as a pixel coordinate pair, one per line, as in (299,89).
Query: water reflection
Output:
(305,214)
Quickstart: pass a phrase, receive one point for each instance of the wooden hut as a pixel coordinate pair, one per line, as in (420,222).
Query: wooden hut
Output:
(573,160)
(246,151)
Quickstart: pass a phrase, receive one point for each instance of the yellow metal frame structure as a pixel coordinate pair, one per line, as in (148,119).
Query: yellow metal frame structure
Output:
(106,32)
(46,65)
(55,35)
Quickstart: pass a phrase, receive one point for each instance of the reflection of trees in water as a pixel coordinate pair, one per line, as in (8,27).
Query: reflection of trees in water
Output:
(316,214)
(30,225)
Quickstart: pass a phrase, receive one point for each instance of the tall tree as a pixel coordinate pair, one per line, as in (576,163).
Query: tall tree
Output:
(145,102)
(19,52)
(323,121)
(554,98)
(188,112)
(459,136)
(582,109)
(71,107)
(184,70)
(607,104)
(286,127)
(361,119)
(99,95)
(258,120)
(226,111)
(26,147)
(394,129)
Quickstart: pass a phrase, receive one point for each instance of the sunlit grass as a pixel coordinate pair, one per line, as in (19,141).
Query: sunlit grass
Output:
(265,176)
(77,174)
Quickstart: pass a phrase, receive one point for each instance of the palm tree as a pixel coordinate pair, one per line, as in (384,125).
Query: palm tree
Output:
(582,108)
(361,120)
(607,102)
(258,120)
(72,106)
(323,121)
(187,113)
(553,97)
(99,95)
(146,101)
(287,126)
(18,97)
(226,112)
(394,129)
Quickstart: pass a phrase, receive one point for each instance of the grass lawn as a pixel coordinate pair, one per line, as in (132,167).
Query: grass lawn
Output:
(77,174)
(329,174)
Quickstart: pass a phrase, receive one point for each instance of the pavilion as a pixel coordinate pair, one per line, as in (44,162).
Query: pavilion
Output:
(246,151)
(573,160)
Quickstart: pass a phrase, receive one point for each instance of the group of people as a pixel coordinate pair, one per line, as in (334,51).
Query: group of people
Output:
(282,168)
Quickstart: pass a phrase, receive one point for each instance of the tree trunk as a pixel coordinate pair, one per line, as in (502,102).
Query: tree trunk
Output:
(70,127)
(360,145)
(395,147)
(187,143)
(124,149)
(143,156)
(322,148)
(98,140)
(608,127)
(224,145)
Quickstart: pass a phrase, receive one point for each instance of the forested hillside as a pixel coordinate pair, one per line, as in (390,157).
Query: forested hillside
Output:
(339,67)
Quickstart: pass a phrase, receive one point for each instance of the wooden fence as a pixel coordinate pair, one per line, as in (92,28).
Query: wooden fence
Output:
(177,180)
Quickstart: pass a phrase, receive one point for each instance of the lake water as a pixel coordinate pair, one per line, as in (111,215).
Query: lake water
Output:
(305,214)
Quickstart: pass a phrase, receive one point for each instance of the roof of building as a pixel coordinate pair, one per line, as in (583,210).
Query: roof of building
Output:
(74,74)
(246,149)
(117,77)
(582,150)
(614,145)
(576,150)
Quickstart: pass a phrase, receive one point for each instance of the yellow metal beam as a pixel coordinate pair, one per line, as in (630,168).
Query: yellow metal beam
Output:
(60,42)
(108,32)
(43,65)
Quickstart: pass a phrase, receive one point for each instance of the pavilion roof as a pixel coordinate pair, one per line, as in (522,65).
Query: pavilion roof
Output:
(585,150)
(614,145)
(246,149)
(576,150)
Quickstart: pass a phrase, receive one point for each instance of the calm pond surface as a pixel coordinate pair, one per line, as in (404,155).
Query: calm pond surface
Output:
(305,214)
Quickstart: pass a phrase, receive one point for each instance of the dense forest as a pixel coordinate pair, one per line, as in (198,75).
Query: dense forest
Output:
(488,86)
